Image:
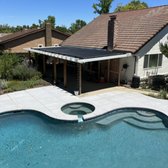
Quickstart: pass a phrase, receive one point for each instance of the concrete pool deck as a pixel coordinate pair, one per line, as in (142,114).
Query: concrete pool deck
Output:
(50,99)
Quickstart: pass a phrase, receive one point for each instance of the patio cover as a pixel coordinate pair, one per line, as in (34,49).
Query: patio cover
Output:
(79,55)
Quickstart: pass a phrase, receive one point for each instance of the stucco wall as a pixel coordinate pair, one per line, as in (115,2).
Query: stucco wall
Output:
(127,74)
(145,72)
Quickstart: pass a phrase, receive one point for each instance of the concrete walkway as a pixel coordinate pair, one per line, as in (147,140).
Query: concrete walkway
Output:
(50,99)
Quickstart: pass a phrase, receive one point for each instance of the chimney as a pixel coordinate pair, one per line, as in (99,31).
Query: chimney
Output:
(110,34)
(48,34)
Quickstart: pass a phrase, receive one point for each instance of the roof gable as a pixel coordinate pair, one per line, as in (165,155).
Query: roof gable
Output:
(133,29)
(23,33)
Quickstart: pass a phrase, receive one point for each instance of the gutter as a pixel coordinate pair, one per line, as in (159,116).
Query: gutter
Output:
(78,60)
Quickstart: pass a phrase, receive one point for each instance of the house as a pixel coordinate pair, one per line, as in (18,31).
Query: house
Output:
(114,47)
(16,42)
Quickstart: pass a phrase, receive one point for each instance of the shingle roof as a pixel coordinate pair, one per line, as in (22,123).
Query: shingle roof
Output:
(24,33)
(133,29)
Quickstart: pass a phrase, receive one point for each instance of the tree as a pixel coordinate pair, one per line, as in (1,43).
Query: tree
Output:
(102,7)
(34,26)
(63,29)
(77,26)
(164,49)
(18,28)
(50,19)
(133,5)
(5,28)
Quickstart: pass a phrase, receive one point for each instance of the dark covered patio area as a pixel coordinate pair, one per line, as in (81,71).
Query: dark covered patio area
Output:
(80,70)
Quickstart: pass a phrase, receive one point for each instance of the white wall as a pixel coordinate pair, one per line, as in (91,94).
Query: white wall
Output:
(127,74)
(152,48)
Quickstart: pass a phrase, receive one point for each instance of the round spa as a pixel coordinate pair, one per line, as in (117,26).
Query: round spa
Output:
(78,108)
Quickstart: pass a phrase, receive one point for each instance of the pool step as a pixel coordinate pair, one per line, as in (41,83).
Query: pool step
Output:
(145,125)
(122,115)
(145,113)
(113,118)
(148,119)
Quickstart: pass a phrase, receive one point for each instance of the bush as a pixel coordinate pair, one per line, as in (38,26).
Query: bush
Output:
(7,63)
(163,94)
(3,84)
(157,82)
(144,83)
(22,72)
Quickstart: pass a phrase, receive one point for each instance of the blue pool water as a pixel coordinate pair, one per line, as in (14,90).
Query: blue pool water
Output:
(33,140)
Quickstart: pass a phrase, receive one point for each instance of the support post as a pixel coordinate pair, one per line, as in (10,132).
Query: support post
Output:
(99,68)
(44,65)
(29,54)
(119,73)
(55,71)
(108,70)
(80,77)
(65,73)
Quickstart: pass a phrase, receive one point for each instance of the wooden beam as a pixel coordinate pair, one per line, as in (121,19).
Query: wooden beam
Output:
(108,70)
(65,73)
(54,71)
(44,65)
(119,72)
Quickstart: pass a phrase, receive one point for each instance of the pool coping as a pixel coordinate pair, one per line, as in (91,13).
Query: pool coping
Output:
(49,100)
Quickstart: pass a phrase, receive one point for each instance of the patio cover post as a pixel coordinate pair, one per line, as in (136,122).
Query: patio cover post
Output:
(99,68)
(80,77)
(29,54)
(65,73)
(55,70)
(44,64)
(119,73)
(108,70)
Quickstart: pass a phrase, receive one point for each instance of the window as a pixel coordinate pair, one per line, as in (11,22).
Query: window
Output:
(153,61)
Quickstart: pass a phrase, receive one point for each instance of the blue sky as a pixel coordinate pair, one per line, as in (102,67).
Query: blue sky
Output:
(26,12)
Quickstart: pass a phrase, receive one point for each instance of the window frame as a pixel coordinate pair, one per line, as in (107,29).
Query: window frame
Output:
(159,61)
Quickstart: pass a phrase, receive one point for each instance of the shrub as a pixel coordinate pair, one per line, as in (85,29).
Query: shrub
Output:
(157,82)
(144,83)
(163,94)
(7,63)
(22,72)
(3,84)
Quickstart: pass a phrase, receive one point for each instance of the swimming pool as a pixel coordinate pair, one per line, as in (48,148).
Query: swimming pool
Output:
(30,139)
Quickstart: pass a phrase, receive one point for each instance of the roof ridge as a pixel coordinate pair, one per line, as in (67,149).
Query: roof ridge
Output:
(67,34)
(23,33)
(136,10)
(19,34)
